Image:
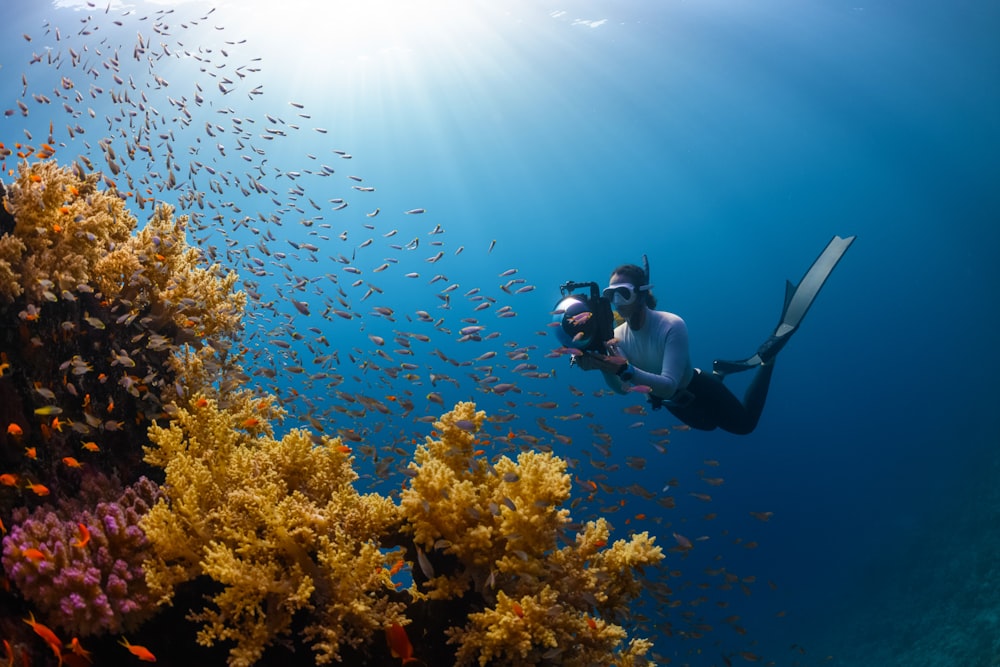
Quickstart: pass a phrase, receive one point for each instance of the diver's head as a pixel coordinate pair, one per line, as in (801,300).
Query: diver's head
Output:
(629,290)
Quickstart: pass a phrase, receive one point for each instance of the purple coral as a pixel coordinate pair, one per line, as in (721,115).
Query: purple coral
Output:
(91,589)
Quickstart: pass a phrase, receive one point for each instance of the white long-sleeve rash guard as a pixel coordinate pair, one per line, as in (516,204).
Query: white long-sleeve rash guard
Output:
(658,352)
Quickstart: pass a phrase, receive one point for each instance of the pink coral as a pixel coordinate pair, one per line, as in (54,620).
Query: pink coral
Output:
(91,589)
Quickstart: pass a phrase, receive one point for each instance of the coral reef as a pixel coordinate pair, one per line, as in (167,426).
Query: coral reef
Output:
(84,571)
(98,315)
(103,324)
(121,353)
(63,226)
(276,522)
(165,281)
(69,236)
(500,520)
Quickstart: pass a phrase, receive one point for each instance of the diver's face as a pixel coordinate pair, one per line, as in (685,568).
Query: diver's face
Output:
(626,299)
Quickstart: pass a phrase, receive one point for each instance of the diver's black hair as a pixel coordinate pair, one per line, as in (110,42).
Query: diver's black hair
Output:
(638,277)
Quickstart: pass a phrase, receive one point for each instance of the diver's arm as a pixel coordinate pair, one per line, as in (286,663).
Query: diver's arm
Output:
(675,362)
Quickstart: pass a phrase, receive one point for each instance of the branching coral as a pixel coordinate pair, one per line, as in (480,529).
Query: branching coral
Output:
(278,526)
(276,522)
(70,236)
(102,314)
(502,523)
(86,580)
(63,226)
(165,280)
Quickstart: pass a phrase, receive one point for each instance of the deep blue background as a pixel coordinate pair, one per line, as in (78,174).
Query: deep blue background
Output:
(728,141)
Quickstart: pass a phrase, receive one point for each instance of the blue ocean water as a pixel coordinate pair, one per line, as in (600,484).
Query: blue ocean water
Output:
(728,141)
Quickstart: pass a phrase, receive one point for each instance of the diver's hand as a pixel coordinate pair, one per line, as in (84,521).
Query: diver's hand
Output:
(590,361)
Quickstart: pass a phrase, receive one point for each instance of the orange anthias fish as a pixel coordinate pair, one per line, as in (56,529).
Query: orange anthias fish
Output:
(77,649)
(399,644)
(46,634)
(140,652)
(33,554)
(84,536)
(38,489)
(14,430)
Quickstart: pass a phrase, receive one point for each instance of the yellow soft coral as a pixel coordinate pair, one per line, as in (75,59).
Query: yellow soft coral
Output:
(502,522)
(276,522)
(70,236)
(158,271)
(65,226)
(482,510)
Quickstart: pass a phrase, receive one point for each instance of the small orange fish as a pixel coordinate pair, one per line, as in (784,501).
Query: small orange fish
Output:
(14,430)
(84,536)
(8,479)
(38,489)
(517,609)
(56,424)
(45,633)
(91,446)
(72,462)
(397,566)
(399,643)
(31,452)
(140,652)
(77,649)
(33,554)
(250,422)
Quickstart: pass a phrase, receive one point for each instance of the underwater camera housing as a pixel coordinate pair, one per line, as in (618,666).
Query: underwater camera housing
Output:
(583,321)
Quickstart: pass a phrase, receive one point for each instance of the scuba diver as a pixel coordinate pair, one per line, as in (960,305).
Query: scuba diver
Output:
(649,350)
